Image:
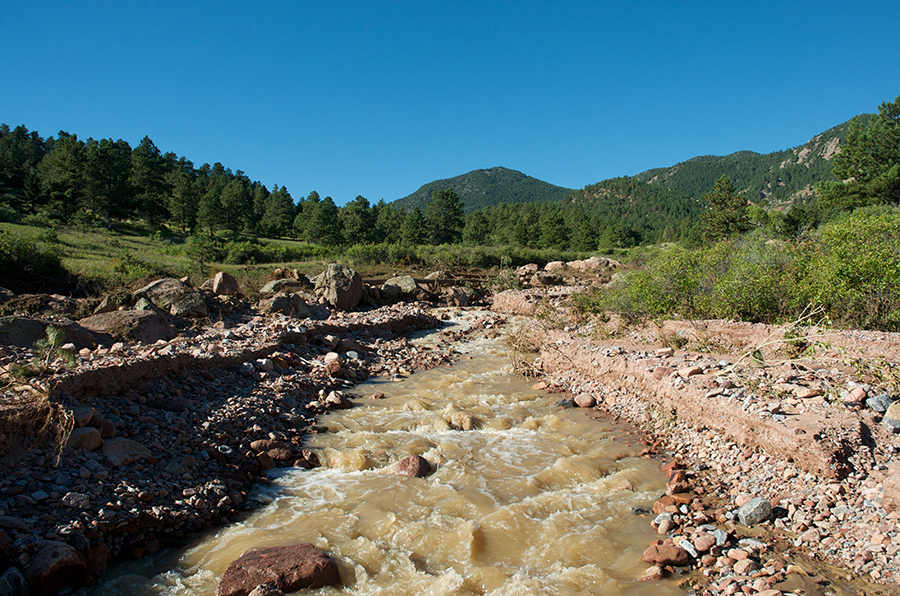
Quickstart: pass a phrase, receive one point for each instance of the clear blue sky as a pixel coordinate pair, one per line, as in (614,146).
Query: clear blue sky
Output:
(377,98)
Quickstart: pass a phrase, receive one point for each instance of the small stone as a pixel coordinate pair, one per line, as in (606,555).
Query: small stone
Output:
(880,403)
(666,554)
(755,511)
(744,566)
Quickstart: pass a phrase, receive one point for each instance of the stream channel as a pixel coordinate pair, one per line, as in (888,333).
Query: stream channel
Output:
(536,499)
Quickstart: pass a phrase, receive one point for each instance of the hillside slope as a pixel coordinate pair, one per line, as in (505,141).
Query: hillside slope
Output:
(781,178)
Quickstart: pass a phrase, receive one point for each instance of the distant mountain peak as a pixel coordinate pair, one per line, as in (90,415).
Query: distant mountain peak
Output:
(487,187)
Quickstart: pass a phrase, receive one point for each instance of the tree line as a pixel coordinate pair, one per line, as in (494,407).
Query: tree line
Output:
(66,180)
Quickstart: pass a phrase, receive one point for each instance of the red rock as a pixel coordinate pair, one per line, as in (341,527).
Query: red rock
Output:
(677,487)
(662,503)
(689,371)
(377,396)
(584,400)
(267,444)
(666,554)
(704,542)
(56,566)
(287,568)
(414,466)
(224,284)
(652,574)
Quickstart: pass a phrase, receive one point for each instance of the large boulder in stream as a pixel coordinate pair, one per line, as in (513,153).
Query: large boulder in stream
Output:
(287,568)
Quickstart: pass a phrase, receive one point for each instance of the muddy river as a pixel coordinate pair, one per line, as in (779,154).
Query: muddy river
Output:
(526,498)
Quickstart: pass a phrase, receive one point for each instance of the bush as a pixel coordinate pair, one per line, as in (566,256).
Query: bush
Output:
(852,268)
(22,260)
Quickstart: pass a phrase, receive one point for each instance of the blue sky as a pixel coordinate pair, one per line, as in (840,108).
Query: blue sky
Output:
(377,98)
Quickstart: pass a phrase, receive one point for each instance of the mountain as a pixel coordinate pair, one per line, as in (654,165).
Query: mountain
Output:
(485,188)
(781,178)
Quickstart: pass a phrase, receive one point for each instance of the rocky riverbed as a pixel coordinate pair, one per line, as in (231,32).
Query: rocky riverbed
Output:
(780,465)
(784,474)
(165,439)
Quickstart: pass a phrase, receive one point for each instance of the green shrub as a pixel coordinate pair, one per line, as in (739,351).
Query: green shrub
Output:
(22,259)
(852,267)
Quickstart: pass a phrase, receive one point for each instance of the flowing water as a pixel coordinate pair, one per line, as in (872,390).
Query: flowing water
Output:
(534,499)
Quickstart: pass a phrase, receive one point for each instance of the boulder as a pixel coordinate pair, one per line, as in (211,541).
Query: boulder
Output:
(526,271)
(174,296)
(289,284)
(287,568)
(457,296)
(56,566)
(414,466)
(120,451)
(86,437)
(23,332)
(224,284)
(546,278)
(399,285)
(292,305)
(341,287)
(557,266)
(131,325)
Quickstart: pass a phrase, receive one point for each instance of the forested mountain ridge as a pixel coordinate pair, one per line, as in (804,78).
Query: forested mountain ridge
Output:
(781,178)
(486,188)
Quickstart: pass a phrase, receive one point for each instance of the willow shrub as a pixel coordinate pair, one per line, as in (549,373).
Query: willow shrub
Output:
(749,279)
(851,267)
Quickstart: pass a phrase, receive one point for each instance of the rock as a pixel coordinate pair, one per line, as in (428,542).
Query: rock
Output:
(131,325)
(86,437)
(23,332)
(689,371)
(338,401)
(292,305)
(108,304)
(744,566)
(653,573)
(224,284)
(891,419)
(341,287)
(456,296)
(584,400)
(526,271)
(704,542)
(122,452)
(891,494)
(287,285)
(666,554)
(76,501)
(399,285)
(56,566)
(880,403)
(174,296)
(287,568)
(414,466)
(546,278)
(13,583)
(83,415)
(755,511)
(556,266)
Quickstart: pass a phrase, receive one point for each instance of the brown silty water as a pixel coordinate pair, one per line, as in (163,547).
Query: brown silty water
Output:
(533,499)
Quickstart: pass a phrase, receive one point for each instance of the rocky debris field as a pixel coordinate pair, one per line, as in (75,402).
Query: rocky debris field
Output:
(147,427)
(784,471)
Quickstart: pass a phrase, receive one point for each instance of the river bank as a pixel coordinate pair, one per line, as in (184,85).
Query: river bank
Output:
(801,435)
